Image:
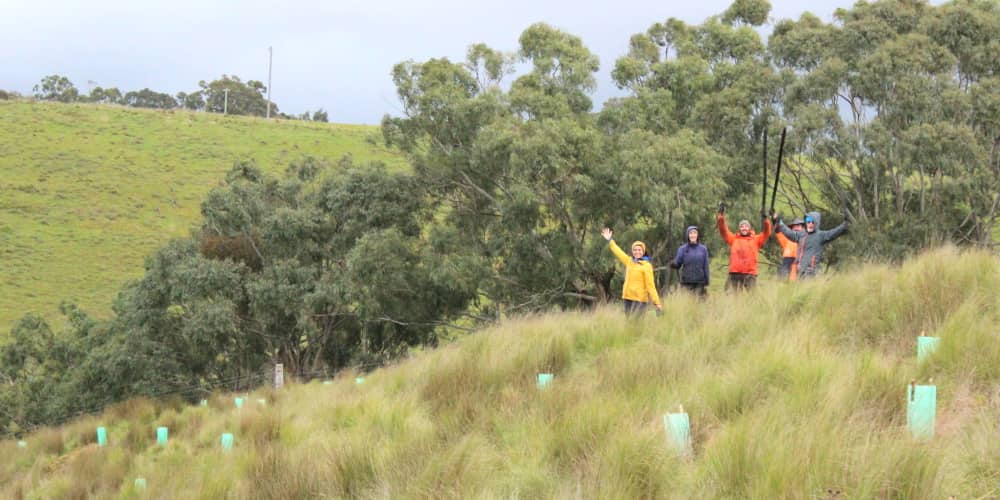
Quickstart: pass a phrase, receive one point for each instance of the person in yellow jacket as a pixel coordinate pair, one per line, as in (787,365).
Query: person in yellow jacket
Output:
(640,287)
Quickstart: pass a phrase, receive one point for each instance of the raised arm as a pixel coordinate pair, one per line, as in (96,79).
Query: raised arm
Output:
(720,221)
(622,256)
(832,234)
(762,237)
(783,229)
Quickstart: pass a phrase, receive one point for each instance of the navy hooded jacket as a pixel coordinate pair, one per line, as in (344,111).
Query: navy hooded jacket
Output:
(692,260)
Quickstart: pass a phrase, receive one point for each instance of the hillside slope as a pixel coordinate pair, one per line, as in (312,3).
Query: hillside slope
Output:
(792,391)
(88,191)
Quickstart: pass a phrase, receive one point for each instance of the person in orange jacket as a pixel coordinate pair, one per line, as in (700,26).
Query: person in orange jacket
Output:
(743,249)
(789,252)
(640,287)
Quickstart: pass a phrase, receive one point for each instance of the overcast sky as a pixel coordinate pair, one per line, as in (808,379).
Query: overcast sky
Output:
(332,54)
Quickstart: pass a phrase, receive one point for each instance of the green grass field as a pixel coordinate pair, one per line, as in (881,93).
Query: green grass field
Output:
(793,391)
(88,191)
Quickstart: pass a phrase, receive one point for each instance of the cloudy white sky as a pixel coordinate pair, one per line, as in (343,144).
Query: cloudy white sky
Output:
(332,54)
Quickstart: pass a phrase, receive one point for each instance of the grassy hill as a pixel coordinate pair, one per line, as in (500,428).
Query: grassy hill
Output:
(88,191)
(793,391)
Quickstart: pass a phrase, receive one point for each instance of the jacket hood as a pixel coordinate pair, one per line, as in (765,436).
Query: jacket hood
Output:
(688,231)
(816,217)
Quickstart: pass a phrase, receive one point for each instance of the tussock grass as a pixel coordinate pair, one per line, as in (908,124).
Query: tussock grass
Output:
(793,391)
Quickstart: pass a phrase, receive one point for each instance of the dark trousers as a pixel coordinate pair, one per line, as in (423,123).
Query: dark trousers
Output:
(696,288)
(741,281)
(634,307)
(786,266)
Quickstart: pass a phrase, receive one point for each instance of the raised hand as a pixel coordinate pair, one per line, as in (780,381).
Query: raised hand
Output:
(606,232)
(722,208)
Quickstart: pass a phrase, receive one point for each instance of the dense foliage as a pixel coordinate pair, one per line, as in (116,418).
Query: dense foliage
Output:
(228,94)
(893,111)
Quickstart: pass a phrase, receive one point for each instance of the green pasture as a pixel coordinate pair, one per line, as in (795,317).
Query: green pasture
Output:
(88,191)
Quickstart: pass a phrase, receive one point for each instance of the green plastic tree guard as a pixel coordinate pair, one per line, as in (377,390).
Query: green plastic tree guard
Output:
(262,402)
(359,380)
(925,346)
(227,442)
(204,402)
(921,408)
(239,402)
(161,435)
(102,436)
(140,483)
(544,379)
(678,428)
(22,444)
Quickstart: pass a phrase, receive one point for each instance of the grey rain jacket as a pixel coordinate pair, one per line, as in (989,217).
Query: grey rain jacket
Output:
(811,244)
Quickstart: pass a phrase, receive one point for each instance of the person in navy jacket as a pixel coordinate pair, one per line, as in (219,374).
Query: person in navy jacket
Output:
(692,260)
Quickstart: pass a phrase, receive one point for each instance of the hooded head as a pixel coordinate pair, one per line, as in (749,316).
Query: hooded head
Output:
(797,224)
(812,222)
(643,255)
(687,234)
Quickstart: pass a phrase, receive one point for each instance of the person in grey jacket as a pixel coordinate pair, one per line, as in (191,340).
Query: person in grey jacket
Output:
(811,242)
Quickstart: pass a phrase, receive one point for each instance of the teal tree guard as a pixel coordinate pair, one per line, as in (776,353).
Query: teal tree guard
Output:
(921,407)
(926,346)
(678,427)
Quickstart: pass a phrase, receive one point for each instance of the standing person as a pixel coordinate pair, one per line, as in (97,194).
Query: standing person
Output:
(692,260)
(640,287)
(811,242)
(789,252)
(743,249)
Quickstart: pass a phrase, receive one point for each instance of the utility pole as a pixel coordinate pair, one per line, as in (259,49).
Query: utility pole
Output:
(270,57)
(225,102)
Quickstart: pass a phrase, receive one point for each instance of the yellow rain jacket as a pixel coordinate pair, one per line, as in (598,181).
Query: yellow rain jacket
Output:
(639,283)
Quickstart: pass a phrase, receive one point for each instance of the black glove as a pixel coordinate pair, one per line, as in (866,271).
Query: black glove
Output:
(674,265)
(722,208)
(763,215)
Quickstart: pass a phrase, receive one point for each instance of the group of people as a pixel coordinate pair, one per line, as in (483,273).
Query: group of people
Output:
(801,242)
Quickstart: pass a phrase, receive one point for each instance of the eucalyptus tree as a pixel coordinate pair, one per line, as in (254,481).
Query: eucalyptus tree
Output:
(526,175)
(232,95)
(713,82)
(56,88)
(895,110)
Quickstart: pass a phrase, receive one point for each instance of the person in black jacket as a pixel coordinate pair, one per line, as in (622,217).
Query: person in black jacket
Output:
(692,260)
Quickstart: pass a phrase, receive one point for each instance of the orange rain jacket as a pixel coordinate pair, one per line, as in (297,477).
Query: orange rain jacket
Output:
(743,249)
(789,250)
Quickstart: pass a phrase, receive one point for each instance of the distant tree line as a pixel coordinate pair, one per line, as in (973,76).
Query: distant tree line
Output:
(894,118)
(244,98)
